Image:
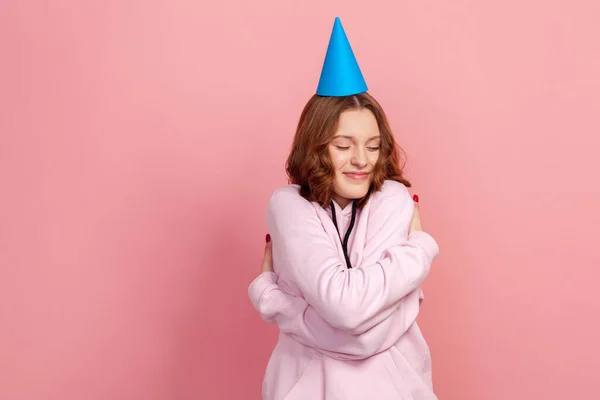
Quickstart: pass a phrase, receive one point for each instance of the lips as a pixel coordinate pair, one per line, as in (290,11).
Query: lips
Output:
(357,175)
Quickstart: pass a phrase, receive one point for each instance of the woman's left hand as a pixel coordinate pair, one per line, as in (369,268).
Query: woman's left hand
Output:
(267,265)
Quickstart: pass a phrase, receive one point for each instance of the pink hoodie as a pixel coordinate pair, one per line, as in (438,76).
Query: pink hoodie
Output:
(347,334)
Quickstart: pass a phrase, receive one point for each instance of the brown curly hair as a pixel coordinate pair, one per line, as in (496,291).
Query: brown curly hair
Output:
(308,164)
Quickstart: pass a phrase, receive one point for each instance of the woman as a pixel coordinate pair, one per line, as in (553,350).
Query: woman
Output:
(349,256)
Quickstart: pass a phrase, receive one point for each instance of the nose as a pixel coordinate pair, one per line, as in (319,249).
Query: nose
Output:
(359,158)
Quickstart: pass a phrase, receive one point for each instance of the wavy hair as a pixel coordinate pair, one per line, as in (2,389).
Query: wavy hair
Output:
(308,164)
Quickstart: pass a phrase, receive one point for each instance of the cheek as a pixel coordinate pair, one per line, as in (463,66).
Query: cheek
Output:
(373,157)
(338,160)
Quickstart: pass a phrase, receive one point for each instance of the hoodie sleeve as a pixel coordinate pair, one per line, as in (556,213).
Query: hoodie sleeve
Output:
(347,299)
(273,304)
(295,317)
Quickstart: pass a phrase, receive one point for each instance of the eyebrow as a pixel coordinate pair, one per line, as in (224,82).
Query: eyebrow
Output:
(351,137)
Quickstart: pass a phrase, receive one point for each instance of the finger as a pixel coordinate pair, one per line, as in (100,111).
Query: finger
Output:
(268,251)
(268,245)
(417,207)
(416,202)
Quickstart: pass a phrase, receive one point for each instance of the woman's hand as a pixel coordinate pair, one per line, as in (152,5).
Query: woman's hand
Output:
(415,223)
(267,264)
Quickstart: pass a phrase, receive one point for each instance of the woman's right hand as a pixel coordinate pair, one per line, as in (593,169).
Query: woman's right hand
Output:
(415,223)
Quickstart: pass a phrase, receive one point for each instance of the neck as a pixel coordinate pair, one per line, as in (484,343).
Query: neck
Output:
(342,201)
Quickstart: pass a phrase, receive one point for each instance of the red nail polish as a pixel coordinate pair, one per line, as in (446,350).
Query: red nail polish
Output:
(268,238)
(416,198)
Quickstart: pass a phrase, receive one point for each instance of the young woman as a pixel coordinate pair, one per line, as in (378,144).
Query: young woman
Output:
(348,259)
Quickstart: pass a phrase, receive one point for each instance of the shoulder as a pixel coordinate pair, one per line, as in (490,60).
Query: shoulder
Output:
(291,215)
(287,198)
(391,189)
(391,206)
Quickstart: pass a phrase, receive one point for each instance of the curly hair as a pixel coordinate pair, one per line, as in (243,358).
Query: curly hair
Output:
(308,164)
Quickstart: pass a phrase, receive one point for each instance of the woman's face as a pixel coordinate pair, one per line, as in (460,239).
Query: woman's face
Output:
(353,151)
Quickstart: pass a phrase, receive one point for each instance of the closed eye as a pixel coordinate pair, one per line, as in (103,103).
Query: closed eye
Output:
(342,147)
(373,148)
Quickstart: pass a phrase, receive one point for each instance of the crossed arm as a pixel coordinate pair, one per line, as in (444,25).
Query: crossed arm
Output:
(348,314)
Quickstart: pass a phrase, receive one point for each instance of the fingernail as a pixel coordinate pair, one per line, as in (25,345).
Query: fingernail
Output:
(268,238)
(416,198)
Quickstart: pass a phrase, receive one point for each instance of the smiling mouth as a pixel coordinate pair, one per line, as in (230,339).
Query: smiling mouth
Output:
(357,175)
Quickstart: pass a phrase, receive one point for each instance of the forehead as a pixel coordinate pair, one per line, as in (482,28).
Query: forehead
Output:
(357,123)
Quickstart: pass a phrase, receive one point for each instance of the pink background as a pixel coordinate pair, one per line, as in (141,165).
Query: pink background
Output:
(140,142)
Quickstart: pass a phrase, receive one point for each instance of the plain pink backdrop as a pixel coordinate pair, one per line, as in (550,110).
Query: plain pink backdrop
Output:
(140,142)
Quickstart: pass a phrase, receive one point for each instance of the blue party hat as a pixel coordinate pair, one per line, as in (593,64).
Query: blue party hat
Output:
(341,75)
